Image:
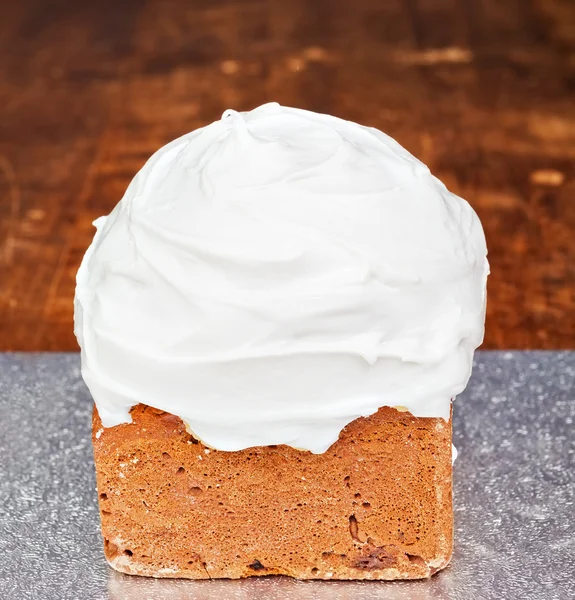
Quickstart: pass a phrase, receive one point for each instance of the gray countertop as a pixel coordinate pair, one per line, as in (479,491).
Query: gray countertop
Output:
(514,493)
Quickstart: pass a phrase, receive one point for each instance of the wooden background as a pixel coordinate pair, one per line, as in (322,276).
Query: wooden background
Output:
(483,91)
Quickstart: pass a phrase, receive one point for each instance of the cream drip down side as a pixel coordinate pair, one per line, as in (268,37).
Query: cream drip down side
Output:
(275,275)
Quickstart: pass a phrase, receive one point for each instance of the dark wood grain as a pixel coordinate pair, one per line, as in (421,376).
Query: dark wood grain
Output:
(483,91)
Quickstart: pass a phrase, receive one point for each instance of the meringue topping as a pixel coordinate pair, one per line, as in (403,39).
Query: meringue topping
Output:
(277,274)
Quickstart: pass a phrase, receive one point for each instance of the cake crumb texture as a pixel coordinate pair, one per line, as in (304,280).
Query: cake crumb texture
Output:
(376,505)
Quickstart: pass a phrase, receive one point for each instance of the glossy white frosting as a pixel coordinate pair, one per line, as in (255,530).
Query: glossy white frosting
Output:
(277,274)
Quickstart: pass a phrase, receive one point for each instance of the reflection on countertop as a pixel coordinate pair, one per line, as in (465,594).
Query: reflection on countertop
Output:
(129,587)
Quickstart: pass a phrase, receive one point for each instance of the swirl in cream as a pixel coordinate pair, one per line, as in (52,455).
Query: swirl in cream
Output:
(273,276)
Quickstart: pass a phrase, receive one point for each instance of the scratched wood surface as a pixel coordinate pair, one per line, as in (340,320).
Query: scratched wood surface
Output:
(483,91)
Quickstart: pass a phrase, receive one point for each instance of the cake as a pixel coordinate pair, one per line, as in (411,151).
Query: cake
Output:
(273,323)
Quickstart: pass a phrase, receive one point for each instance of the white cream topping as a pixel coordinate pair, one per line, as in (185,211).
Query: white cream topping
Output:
(273,276)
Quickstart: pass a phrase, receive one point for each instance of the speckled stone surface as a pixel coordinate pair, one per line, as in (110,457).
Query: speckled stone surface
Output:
(514,493)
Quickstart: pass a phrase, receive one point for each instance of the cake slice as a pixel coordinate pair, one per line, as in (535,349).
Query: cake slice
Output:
(376,505)
(274,321)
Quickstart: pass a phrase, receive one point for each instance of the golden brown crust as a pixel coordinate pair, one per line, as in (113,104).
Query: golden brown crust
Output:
(376,505)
